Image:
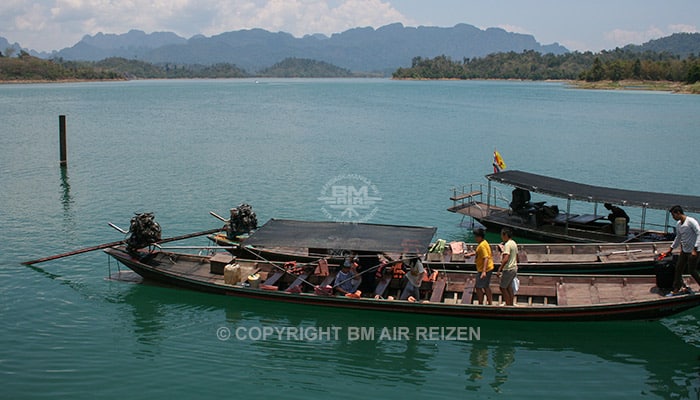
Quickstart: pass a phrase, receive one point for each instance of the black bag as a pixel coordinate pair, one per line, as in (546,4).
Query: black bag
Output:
(665,271)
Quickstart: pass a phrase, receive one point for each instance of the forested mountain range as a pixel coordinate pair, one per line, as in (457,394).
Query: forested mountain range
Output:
(476,54)
(358,50)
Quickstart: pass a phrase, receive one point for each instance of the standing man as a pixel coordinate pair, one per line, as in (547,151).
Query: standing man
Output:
(484,267)
(509,266)
(688,237)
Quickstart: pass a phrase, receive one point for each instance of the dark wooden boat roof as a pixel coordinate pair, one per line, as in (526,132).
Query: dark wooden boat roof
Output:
(584,192)
(343,235)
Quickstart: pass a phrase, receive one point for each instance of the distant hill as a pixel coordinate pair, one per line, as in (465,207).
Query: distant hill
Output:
(681,44)
(133,44)
(360,49)
(304,68)
(5,44)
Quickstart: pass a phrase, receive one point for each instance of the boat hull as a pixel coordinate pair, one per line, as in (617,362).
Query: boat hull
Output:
(653,308)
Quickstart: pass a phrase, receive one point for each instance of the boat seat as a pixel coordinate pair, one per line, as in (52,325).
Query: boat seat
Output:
(468,292)
(328,280)
(438,290)
(274,278)
(298,281)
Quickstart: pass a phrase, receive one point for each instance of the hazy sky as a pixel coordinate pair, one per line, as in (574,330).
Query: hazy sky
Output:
(594,25)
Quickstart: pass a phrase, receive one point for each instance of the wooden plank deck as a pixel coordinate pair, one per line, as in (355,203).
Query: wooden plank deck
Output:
(467,195)
(476,209)
(561,258)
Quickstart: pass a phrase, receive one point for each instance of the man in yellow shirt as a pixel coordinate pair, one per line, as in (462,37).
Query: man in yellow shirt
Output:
(484,267)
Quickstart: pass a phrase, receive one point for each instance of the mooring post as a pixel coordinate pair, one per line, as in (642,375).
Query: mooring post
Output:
(62,138)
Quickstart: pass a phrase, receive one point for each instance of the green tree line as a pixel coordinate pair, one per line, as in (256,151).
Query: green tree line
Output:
(612,65)
(121,68)
(26,67)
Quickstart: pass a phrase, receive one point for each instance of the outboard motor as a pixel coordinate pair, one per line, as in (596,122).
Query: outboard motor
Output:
(243,220)
(144,231)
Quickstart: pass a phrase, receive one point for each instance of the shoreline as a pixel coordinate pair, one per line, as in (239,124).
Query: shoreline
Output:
(661,86)
(39,81)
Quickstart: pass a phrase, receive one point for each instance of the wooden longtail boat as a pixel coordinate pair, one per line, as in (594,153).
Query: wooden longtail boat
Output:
(538,221)
(637,258)
(307,241)
(540,297)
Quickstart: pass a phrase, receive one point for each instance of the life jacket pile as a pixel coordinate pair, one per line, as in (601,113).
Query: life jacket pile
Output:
(292,268)
(395,269)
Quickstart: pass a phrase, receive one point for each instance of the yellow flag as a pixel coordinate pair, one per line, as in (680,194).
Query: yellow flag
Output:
(498,163)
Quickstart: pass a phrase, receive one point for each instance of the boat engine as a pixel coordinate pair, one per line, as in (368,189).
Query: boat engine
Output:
(243,220)
(144,231)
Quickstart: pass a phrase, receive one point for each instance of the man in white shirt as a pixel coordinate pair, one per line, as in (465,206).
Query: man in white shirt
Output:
(688,238)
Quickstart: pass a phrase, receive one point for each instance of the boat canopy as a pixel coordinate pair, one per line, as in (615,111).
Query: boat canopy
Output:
(599,194)
(342,236)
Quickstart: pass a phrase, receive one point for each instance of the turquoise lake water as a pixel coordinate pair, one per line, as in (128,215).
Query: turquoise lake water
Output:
(183,148)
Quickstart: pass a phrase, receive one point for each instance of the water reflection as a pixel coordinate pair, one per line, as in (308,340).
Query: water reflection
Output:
(484,358)
(66,198)
(672,365)
(508,355)
(67,202)
(149,321)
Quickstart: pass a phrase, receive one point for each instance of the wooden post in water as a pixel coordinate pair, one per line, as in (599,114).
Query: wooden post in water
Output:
(62,138)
